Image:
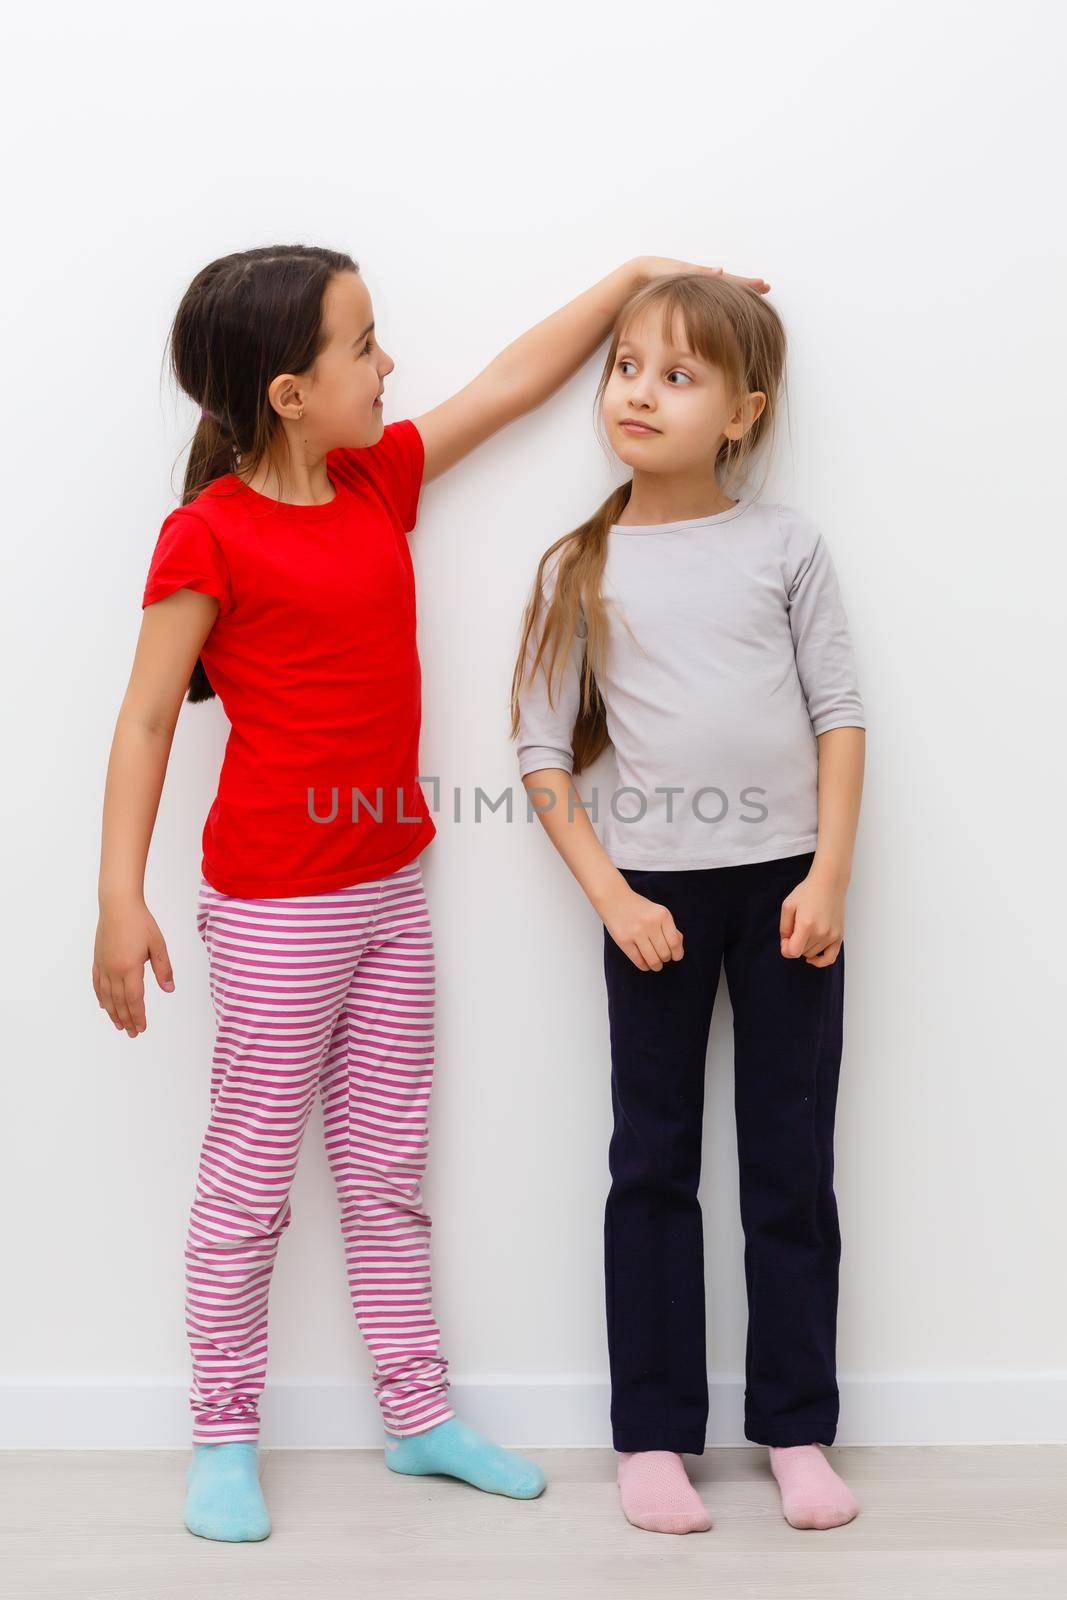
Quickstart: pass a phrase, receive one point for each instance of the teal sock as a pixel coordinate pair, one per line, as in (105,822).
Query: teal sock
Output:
(457,1451)
(223,1499)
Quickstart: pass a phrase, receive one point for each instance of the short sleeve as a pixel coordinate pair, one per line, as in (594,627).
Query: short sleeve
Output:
(395,467)
(822,641)
(188,556)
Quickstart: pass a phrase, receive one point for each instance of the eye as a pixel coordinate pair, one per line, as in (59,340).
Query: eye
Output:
(626,361)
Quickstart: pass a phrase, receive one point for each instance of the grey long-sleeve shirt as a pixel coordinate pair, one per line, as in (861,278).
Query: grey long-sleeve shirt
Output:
(742,657)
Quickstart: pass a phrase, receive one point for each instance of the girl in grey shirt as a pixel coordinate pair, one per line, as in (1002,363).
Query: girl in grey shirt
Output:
(701,633)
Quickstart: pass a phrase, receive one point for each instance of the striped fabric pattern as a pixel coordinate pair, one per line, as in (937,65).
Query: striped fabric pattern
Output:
(330,993)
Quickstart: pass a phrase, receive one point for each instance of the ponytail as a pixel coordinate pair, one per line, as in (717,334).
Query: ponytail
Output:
(244,318)
(211,456)
(552,627)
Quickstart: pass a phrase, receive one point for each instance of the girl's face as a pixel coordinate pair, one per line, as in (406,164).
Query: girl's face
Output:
(665,409)
(341,394)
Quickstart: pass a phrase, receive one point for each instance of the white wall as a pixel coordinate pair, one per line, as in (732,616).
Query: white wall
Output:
(890,169)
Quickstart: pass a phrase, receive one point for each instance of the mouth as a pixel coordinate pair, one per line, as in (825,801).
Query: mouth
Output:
(378,398)
(637,427)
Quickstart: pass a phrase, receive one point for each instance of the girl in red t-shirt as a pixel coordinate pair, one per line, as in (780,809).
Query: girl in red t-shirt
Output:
(283,584)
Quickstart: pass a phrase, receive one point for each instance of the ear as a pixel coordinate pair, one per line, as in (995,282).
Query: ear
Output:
(286,396)
(746,414)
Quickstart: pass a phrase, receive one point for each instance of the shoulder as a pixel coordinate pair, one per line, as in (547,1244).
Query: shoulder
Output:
(188,555)
(553,560)
(799,535)
(796,526)
(392,467)
(192,524)
(399,450)
(216,509)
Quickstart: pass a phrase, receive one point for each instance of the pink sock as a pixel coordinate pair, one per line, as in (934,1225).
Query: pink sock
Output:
(813,1496)
(657,1495)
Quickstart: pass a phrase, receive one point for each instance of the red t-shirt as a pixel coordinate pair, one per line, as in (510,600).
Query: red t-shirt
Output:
(313,657)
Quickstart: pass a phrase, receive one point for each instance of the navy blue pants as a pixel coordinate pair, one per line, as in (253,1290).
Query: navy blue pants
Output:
(787,1054)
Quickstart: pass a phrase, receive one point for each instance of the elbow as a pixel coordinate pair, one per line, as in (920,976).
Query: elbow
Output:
(840,709)
(146,725)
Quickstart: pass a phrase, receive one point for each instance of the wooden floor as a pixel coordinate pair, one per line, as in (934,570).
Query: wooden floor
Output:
(935,1523)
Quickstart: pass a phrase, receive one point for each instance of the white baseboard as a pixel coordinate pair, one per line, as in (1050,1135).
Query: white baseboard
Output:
(911,1409)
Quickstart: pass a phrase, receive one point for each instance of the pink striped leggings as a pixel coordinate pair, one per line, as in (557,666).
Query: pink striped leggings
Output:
(332,990)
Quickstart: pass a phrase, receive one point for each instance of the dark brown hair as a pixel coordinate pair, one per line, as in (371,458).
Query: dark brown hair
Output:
(728,325)
(243,319)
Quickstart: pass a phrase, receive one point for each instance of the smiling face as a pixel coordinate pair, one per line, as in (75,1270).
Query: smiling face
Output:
(664,408)
(340,395)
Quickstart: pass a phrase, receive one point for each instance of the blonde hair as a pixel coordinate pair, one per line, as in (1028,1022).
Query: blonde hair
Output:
(727,325)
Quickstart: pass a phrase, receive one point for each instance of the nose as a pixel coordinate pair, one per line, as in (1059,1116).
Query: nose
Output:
(636,395)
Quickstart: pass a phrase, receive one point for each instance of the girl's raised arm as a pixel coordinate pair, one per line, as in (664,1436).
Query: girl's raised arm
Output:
(533,367)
